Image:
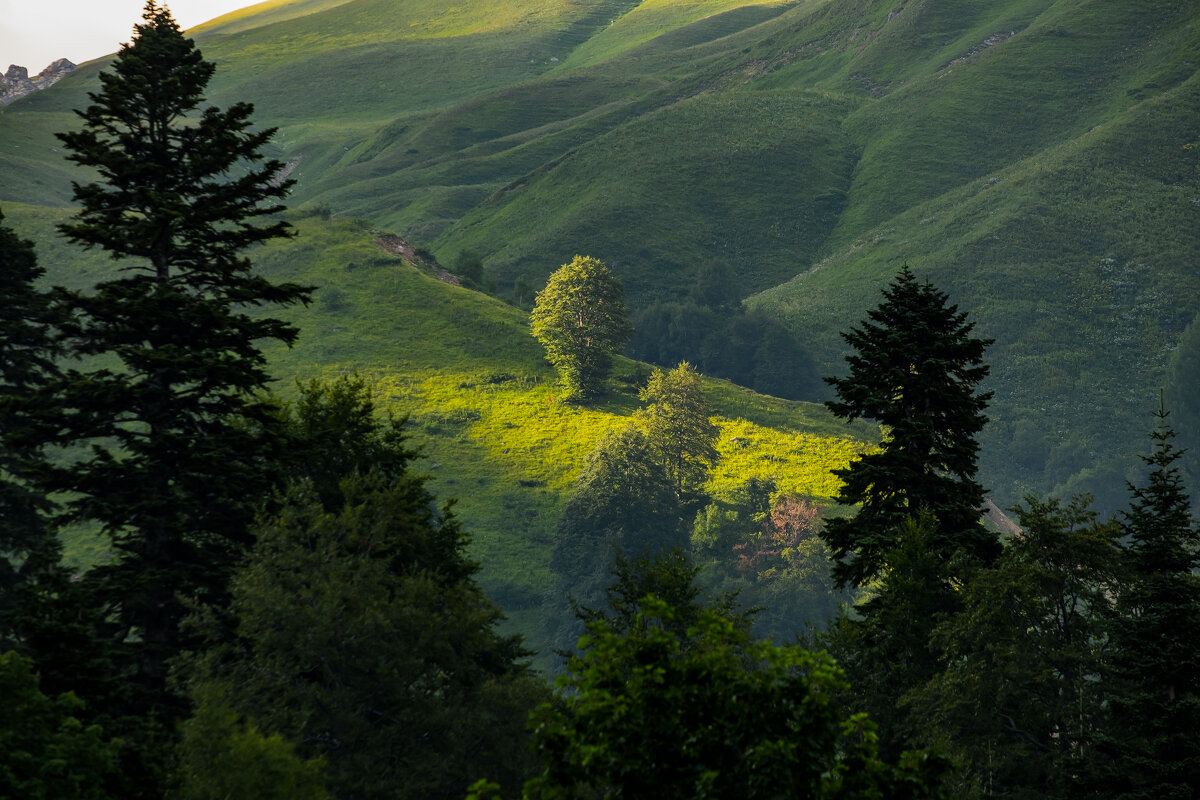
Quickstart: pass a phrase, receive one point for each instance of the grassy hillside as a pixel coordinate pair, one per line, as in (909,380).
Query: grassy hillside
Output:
(482,403)
(484,406)
(1037,158)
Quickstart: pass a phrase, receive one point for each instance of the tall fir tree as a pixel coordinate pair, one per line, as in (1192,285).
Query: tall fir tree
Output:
(1149,747)
(164,398)
(915,369)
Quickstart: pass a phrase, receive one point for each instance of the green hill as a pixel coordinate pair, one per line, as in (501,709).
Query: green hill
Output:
(1036,158)
(482,403)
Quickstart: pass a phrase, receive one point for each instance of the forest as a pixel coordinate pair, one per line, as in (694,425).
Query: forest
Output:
(288,610)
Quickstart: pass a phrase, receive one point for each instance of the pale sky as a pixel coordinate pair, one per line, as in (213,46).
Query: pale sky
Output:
(34,33)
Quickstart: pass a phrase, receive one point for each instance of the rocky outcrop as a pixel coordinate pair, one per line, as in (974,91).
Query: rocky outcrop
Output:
(16,81)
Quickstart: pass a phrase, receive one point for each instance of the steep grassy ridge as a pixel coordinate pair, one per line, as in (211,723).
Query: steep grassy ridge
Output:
(728,189)
(1086,299)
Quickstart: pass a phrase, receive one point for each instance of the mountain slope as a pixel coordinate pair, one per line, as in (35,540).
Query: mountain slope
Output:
(482,403)
(1036,158)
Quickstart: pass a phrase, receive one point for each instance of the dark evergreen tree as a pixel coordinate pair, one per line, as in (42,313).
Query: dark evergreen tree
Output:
(915,370)
(1149,748)
(27,352)
(165,400)
(886,648)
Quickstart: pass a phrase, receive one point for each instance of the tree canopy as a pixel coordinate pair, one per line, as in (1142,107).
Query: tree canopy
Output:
(176,436)
(362,637)
(581,320)
(663,710)
(915,370)
(677,424)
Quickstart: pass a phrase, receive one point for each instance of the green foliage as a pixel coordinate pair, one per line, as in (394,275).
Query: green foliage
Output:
(222,760)
(894,626)
(27,353)
(914,369)
(677,423)
(1154,670)
(362,638)
(767,543)
(658,710)
(1019,698)
(670,576)
(723,340)
(469,267)
(622,502)
(46,753)
(580,319)
(163,402)
(333,432)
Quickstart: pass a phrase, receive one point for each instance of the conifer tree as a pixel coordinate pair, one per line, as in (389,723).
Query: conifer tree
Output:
(1018,698)
(1149,748)
(915,370)
(163,397)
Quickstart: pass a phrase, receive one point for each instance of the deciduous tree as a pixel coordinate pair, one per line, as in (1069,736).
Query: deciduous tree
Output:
(363,639)
(581,320)
(622,502)
(46,753)
(677,424)
(701,711)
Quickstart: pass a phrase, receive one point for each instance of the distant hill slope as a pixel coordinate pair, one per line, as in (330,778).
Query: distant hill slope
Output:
(1036,158)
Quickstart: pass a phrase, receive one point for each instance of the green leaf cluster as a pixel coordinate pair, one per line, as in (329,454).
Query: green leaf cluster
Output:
(362,638)
(708,713)
(677,421)
(46,753)
(581,320)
